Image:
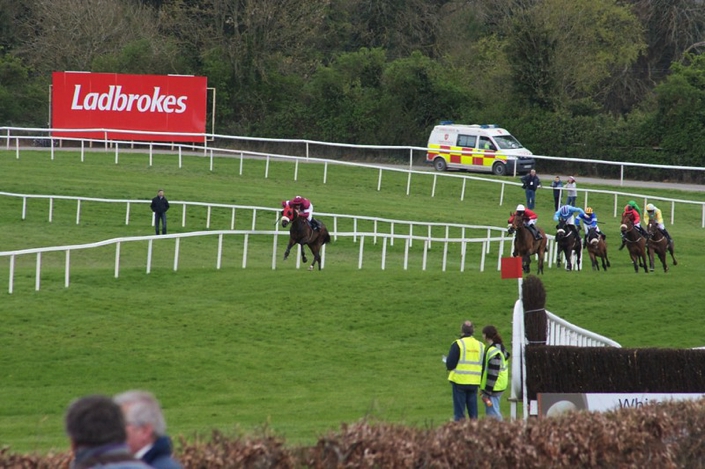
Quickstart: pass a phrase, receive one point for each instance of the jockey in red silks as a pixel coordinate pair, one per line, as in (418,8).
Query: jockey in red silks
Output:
(635,216)
(305,209)
(529,218)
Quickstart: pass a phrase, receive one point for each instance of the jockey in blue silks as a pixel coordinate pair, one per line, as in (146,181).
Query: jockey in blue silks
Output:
(590,220)
(567,213)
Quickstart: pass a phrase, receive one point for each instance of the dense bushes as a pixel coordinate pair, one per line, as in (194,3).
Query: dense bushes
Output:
(666,436)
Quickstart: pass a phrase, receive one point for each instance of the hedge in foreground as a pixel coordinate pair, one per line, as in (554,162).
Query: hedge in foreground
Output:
(669,435)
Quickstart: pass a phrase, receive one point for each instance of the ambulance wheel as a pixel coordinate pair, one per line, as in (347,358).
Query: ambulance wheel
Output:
(499,169)
(440,164)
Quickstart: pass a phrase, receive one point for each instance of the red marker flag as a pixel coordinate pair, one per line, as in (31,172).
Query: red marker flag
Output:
(511,267)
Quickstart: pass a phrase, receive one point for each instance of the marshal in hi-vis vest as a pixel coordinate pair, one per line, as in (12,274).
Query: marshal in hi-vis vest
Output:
(469,368)
(503,378)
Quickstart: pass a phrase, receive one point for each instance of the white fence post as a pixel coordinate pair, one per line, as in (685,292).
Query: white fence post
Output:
(38,274)
(220,251)
(149,255)
(362,249)
(384,252)
(12,274)
(117,259)
(244,252)
(177,245)
(66,272)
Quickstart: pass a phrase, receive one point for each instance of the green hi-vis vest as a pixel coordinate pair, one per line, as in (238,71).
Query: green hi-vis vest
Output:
(469,368)
(503,378)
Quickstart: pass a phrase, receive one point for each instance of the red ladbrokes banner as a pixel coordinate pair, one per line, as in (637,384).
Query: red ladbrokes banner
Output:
(152,103)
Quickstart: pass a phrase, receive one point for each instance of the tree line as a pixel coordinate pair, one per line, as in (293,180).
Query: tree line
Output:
(619,80)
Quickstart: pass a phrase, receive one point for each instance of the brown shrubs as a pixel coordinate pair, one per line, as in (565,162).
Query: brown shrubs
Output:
(665,436)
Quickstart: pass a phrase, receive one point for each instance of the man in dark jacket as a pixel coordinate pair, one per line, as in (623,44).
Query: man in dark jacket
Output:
(159,206)
(96,428)
(531,183)
(146,429)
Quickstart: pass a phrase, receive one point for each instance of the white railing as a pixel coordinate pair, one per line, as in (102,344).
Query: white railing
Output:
(246,234)
(378,224)
(560,332)
(213,152)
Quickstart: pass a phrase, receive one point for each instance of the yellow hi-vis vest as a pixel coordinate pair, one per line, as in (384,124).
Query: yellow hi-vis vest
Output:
(503,378)
(469,368)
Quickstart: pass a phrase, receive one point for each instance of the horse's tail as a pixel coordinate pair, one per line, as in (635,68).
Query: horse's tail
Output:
(326,238)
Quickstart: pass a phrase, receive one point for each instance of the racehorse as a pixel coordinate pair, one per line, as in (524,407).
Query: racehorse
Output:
(569,242)
(525,245)
(597,247)
(659,244)
(301,233)
(636,243)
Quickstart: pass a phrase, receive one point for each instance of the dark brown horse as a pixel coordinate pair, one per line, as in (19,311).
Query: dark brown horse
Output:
(597,248)
(636,243)
(525,245)
(569,242)
(659,244)
(301,233)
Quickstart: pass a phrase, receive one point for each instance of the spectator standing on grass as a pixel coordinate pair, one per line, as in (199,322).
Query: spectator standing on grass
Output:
(96,429)
(464,363)
(531,183)
(572,191)
(495,372)
(146,429)
(557,185)
(160,206)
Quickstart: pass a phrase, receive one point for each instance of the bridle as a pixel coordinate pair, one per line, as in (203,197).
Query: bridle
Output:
(633,228)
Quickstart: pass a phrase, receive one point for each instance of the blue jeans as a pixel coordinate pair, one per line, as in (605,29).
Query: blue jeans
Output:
(162,217)
(530,198)
(494,411)
(571,200)
(464,395)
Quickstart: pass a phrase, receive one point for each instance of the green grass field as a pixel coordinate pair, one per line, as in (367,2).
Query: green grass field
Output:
(293,351)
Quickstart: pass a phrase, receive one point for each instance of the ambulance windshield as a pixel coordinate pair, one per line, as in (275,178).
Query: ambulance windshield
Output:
(507,142)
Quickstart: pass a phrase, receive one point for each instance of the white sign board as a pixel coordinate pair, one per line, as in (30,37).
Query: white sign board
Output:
(552,404)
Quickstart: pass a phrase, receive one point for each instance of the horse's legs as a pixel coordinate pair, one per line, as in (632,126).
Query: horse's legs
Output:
(288,248)
(662,257)
(635,263)
(316,258)
(643,258)
(670,249)
(593,260)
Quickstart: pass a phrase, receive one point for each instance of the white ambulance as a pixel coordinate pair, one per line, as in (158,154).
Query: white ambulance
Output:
(483,147)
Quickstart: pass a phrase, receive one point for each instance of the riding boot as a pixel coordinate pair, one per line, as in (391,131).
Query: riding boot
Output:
(644,233)
(535,232)
(585,243)
(667,235)
(315,225)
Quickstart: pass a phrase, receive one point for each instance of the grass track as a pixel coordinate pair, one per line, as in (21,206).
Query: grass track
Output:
(299,352)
